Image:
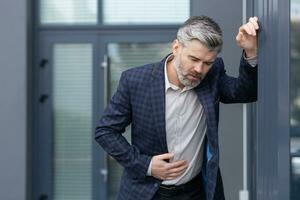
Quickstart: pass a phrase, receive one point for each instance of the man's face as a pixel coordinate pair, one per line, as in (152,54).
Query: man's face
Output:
(192,62)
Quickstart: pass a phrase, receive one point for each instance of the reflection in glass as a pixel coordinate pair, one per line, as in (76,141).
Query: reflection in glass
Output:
(295,100)
(72,122)
(296,166)
(145,11)
(68,12)
(123,56)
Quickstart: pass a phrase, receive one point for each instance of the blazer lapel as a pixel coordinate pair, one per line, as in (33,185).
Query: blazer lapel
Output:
(204,95)
(212,159)
(158,103)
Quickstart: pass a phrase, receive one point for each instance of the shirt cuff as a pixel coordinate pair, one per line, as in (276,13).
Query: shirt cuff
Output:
(252,60)
(149,169)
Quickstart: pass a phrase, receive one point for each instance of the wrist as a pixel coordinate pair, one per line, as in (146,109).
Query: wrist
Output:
(251,53)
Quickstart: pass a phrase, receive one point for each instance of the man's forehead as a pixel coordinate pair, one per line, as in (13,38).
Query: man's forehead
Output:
(195,45)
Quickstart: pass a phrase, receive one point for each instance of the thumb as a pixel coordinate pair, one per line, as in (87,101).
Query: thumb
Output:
(166,156)
(239,36)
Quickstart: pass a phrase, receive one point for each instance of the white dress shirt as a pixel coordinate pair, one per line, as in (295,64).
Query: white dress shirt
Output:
(185,128)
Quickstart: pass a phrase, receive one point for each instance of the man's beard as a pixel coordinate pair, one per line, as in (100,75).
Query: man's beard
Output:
(182,76)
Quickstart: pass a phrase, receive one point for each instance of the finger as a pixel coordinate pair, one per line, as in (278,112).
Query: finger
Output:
(176,164)
(252,28)
(239,36)
(165,156)
(245,29)
(175,175)
(255,18)
(178,169)
(249,29)
(170,177)
(253,21)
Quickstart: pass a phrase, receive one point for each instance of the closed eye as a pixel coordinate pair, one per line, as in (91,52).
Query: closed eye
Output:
(194,59)
(209,63)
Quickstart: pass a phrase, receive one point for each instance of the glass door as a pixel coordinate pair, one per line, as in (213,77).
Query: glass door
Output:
(64,158)
(119,55)
(76,77)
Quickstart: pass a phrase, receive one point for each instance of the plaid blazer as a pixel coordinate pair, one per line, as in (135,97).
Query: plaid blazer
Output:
(140,101)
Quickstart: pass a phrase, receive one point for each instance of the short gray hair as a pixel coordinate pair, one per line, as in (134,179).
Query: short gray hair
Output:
(203,29)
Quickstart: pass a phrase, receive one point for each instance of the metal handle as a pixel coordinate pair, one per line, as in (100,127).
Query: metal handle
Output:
(105,67)
(43,98)
(43,197)
(43,62)
(244,194)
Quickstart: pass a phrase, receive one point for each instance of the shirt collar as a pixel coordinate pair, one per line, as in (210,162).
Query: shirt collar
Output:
(167,82)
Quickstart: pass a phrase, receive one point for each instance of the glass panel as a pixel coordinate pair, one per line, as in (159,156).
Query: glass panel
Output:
(72,113)
(295,99)
(68,11)
(145,11)
(123,56)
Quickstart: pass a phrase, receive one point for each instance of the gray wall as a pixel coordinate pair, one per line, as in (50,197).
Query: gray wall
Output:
(229,15)
(13,62)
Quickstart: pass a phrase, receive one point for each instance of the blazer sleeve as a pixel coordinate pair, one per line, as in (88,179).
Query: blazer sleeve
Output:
(112,124)
(242,89)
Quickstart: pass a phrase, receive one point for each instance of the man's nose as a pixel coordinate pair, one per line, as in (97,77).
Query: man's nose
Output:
(199,67)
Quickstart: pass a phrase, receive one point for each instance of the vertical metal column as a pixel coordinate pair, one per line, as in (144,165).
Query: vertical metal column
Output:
(272,130)
(244,194)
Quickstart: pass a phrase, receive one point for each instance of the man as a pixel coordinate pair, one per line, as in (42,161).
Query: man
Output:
(173,108)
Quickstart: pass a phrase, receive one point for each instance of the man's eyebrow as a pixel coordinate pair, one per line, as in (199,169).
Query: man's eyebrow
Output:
(210,61)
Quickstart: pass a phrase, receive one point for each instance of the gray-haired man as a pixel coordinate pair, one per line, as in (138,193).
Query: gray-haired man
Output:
(173,107)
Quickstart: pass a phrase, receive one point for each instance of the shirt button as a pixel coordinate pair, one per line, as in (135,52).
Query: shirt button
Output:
(155,184)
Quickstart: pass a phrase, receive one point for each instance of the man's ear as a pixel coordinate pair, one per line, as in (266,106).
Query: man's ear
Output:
(175,47)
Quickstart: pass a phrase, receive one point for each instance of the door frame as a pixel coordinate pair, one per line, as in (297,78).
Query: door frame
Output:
(43,133)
